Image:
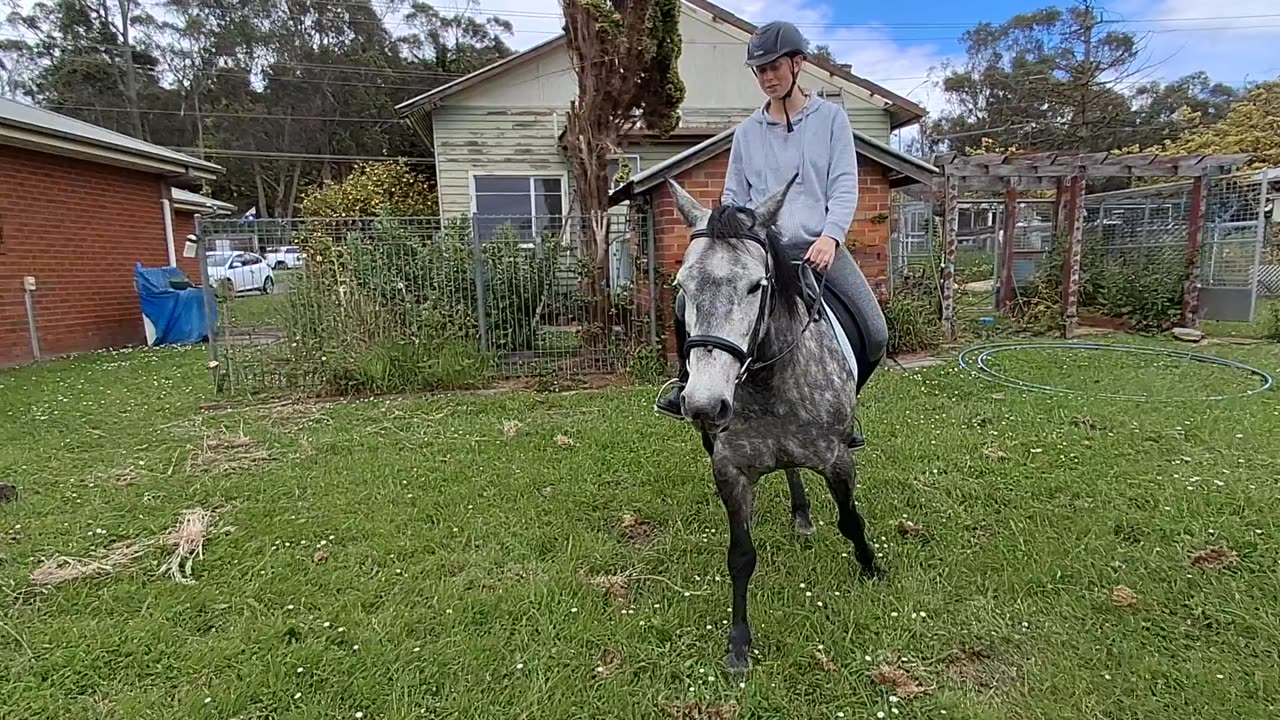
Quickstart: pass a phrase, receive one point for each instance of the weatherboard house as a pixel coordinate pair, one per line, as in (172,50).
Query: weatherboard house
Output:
(497,136)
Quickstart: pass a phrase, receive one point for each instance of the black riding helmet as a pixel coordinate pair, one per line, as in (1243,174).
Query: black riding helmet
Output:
(772,41)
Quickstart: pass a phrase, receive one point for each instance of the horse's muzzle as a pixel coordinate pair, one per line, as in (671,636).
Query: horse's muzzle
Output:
(709,415)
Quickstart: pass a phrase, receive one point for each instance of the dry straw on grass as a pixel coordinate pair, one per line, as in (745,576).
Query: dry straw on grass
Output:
(186,538)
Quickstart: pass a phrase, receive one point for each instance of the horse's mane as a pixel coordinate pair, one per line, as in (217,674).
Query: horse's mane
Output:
(731,224)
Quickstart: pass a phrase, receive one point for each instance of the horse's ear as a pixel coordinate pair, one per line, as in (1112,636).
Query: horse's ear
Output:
(772,205)
(691,210)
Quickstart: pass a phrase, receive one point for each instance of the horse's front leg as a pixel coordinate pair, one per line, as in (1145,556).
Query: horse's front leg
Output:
(736,492)
(840,481)
(799,503)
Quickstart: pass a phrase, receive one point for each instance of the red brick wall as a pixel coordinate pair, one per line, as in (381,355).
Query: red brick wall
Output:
(78,227)
(868,237)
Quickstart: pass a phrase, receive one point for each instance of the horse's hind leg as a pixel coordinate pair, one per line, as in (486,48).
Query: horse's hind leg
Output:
(799,503)
(839,477)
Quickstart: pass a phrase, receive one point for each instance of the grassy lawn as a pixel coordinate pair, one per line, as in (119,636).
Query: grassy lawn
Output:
(433,557)
(253,309)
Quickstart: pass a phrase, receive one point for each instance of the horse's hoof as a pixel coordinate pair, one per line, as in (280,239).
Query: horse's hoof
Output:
(804,526)
(876,573)
(736,663)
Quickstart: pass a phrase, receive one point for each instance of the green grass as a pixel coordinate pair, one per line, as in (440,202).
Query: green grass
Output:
(1262,328)
(255,310)
(455,547)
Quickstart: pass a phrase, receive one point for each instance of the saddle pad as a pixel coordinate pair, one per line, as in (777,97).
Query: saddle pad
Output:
(843,339)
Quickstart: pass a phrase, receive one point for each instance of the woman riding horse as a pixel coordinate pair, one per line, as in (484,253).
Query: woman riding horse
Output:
(796,132)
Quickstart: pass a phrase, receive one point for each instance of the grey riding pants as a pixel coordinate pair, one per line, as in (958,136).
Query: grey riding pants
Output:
(846,280)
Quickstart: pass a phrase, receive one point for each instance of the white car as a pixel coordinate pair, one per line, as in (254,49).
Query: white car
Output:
(240,272)
(289,257)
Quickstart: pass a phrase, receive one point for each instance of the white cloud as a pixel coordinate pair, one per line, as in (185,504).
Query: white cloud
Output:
(1189,38)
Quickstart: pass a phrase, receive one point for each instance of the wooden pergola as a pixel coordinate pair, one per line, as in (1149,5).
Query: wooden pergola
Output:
(1065,174)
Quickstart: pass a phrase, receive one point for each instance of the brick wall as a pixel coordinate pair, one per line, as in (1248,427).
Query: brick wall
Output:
(78,227)
(868,237)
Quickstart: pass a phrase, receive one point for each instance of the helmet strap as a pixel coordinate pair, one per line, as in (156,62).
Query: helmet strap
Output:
(786,112)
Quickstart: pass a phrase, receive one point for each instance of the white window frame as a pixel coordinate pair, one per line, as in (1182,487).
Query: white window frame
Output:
(531,176)
(633,158)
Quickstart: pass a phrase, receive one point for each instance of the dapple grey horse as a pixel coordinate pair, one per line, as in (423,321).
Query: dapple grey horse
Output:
(769,388)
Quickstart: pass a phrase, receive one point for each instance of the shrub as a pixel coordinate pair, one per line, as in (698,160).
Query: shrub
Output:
(1271,325)
(1129,283)
(372,190)
(913,323)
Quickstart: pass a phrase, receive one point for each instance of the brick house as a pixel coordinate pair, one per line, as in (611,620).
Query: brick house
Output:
(79,205)
(700,170)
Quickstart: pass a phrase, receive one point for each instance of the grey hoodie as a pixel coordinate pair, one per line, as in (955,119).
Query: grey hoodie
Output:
(764,156)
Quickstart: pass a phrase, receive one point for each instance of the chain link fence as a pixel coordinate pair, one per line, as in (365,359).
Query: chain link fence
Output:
(396,304)
(1134,255)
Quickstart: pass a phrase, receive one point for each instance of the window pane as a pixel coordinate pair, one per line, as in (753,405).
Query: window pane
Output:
(547,185)
(503,205)
(502,184)
(548,205)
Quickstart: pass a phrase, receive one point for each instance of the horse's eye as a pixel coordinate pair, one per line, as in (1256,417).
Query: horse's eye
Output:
(755,288)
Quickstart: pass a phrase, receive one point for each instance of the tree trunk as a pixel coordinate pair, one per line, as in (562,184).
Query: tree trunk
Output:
(130,71)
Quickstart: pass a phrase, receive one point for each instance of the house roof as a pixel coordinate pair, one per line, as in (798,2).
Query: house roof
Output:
(909,170)
(192,202)
(39,129)
(904,112)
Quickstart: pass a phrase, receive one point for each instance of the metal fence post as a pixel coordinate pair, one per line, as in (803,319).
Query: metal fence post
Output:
(478,251)
(210,302)
(651,252)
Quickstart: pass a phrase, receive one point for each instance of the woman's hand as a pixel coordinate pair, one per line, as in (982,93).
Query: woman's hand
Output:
(822,252)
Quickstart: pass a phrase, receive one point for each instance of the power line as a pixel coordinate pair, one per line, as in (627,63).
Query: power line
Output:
(266,155)
(262,116)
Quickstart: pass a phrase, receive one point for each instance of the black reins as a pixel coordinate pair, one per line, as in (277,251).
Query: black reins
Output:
(746,356)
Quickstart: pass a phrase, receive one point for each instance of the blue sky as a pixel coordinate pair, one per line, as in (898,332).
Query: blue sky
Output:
(898,44)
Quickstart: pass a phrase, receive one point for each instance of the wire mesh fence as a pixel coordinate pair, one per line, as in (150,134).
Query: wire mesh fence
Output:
(1134,257)
(395,304)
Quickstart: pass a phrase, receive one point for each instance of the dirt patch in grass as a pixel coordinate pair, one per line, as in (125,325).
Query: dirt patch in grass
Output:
(978,668)
(638,532)
(1124,597)
(908,529)
(824,662)
(1217,557)
(898,681)
(699,711)
(617,587)
(609,663)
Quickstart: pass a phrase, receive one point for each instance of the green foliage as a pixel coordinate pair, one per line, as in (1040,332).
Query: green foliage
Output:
(1138,285)
(913,321)
(372,190)
(1250,126)
(1271,325)
(647,364)
(385,310)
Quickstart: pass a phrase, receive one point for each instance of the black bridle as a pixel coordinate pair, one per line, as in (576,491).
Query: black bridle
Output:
(746,356)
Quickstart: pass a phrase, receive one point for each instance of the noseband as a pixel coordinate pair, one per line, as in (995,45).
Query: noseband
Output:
(746,356)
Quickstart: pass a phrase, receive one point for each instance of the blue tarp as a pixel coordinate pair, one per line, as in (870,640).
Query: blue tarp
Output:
(177,316)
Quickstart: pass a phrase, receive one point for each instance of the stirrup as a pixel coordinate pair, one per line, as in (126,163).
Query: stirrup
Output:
(662,392)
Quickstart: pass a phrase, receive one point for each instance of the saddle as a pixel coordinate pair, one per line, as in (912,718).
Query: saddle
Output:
(844,322)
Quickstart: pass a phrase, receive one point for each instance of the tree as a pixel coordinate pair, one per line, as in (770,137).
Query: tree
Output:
(1044,80)
(1157,108)
(1252,125)
(458,43)
(626,55)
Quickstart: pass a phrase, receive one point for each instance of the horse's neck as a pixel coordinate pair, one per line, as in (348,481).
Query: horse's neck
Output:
(798,345)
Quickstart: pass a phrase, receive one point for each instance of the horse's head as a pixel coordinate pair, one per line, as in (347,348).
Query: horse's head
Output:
(733,277)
